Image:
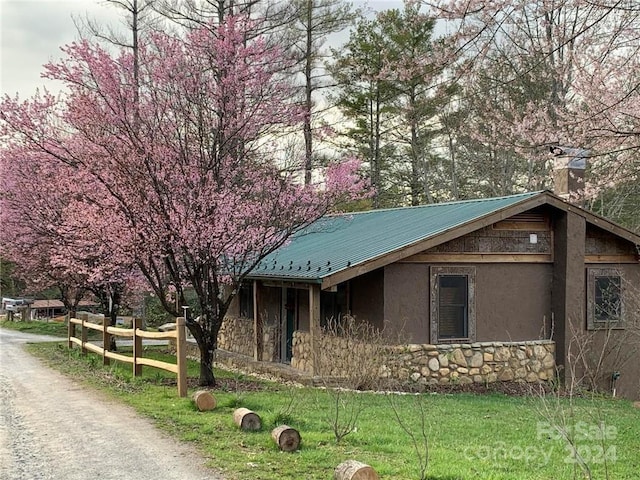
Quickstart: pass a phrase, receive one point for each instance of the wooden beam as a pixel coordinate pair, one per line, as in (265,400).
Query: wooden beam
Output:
(283,284)
(314,323)
(170,367)
(535,226)
(181,356)
(611,259)
(257,325)
(479,258)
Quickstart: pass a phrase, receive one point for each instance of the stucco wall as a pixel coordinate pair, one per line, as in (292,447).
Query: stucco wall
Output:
(406,300)
(367,297)
(513,301)
(617,349)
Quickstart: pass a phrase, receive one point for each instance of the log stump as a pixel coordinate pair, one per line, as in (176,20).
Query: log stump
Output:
(246,419)
(204,400)
(287,438)
(354,470)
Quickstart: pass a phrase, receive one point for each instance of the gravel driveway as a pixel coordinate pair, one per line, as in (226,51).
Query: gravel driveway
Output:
(52,428)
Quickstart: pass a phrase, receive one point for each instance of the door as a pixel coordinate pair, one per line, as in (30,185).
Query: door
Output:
(289,316)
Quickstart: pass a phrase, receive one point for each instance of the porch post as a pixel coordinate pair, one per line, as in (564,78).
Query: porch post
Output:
(314,323)
(257,325)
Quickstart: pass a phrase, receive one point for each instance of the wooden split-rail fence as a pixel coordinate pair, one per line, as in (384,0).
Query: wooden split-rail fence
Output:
(136,334)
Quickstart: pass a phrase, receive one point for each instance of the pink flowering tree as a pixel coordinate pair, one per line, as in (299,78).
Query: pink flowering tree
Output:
(51,234)
(176,145)
(553,73)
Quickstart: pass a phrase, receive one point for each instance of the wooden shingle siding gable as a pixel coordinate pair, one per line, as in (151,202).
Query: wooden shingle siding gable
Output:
(506,241)
(603,244)
(531,221)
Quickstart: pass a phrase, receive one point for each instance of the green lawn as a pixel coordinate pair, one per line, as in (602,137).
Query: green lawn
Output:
(56,329)
(470,436)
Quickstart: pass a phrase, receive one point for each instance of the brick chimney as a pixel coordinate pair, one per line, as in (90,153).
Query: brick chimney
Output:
(569,165)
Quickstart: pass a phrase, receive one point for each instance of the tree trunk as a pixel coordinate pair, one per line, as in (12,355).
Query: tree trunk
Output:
(354,470)
(207,379)
(246,419)
(308,104)
(287,438)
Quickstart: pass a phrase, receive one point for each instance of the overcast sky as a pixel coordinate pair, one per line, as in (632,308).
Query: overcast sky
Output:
(32,32)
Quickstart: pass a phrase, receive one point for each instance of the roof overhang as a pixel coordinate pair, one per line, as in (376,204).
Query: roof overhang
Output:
(544,198)
(329,281)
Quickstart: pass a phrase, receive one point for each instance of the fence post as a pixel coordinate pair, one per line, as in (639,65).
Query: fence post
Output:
(106,341)
(71,331)
(181,356)
(84,317)
(137,347)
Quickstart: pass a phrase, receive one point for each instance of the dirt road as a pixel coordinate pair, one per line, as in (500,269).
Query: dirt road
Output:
(52,428)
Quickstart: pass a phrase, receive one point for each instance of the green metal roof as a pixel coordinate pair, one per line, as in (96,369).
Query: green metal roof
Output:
(338,242)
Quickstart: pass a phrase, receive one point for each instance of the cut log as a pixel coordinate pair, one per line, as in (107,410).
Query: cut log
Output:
(204,400)
(246,419)
(354,470)
(287,438)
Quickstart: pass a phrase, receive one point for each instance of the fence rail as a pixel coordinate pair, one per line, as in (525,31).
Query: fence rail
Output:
(137,335)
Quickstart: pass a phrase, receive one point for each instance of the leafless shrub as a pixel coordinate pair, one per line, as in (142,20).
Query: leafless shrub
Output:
(415,426)
(593,357)
(349,357)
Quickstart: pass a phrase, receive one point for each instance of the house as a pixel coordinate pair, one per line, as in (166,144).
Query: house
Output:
(51,308)
(509,288)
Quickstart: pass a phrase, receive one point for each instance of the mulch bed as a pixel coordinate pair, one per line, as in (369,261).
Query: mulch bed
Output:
(223,384)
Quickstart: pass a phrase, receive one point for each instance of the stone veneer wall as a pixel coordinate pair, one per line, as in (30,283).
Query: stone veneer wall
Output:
(482,362)
(236,335)
(335,355)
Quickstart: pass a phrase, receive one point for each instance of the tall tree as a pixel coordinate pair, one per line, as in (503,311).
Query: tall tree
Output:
(585,57)
(183,166)
(313,21)
(363,97)
(413,66)
(391,87)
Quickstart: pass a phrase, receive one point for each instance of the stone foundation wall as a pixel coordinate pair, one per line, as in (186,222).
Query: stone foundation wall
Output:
(236,336)
(483,362)
(301,352)
(335,356)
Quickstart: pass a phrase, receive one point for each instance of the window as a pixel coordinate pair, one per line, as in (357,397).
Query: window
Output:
(452,304)
(453,311)
(605,305)
(333,305)
(245,299)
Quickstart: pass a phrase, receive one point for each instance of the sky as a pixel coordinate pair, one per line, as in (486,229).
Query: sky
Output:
(32,32)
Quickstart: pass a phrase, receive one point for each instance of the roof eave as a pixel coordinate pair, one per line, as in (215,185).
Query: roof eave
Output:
(434,240)
(543,198)
(593,218)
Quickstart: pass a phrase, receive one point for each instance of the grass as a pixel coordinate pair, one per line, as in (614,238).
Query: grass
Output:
(56,329)
(491,437)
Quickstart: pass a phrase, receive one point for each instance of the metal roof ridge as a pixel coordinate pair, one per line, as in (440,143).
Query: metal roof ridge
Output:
(453,202)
